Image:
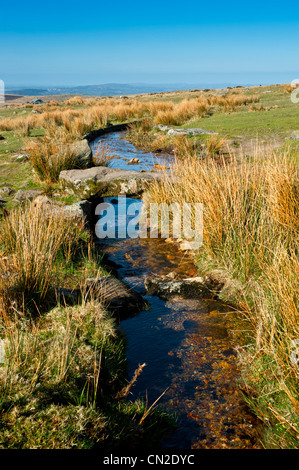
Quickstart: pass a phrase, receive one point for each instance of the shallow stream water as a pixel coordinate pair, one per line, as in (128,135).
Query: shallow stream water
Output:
(186,345)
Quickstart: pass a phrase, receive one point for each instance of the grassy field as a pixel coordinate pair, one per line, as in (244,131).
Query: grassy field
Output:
(247,176)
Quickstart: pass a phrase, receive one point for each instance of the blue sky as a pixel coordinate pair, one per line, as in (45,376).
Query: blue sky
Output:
(75,43)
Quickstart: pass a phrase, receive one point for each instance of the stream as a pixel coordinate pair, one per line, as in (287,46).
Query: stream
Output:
(190,360)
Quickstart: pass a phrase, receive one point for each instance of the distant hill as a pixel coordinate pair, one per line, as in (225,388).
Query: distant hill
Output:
(110,89)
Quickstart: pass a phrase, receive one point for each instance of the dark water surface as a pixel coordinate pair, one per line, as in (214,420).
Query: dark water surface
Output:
(186,346)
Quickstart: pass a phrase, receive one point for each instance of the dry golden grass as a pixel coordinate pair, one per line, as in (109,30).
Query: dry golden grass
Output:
(289,87)
(102,155)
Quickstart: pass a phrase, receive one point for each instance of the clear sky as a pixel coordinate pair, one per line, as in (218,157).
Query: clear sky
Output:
(64,42)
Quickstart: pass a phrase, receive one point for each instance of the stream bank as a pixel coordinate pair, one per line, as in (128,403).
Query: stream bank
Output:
(186,343)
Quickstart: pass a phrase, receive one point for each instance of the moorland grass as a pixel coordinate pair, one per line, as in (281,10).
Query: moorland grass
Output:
(251,236)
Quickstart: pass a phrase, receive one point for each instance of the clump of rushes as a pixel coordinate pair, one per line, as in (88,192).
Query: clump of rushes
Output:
(62,372)
(102,156)
(251,235)
(92,114)
(49,158)
(30,239)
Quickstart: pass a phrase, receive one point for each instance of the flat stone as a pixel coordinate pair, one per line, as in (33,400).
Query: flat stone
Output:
(295,135)
(104,181)
(24,195)
(115,295)
(166,288)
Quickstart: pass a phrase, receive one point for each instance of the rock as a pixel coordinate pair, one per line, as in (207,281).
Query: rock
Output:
(24,195)
(172,275)
(83,153)
(295,135)
(36,101)
(115,295)
(22,158)
(134,161)
(165,287)
(105,181)
(6,191)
